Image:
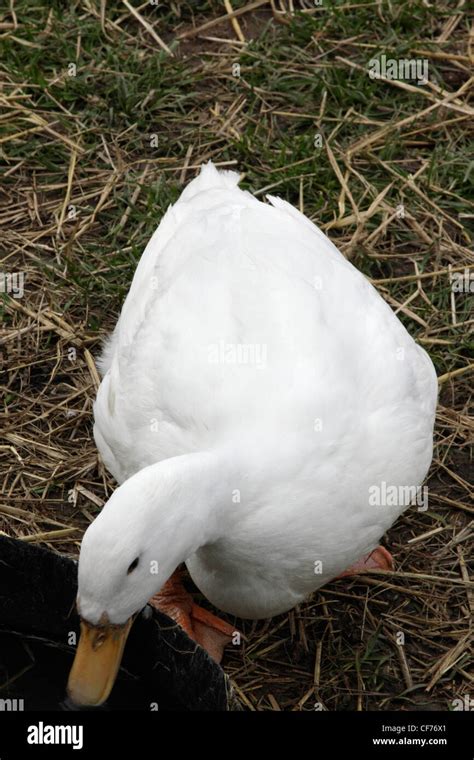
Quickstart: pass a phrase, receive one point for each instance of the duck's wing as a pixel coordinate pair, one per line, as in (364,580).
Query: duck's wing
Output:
(209,188)
(226,273)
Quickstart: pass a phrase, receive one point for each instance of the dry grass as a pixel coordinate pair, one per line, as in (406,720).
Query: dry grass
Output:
(83,189)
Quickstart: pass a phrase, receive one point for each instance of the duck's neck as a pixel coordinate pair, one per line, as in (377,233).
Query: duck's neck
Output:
(185,501)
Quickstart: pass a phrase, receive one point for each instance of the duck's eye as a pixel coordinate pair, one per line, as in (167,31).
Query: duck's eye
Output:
(133,565)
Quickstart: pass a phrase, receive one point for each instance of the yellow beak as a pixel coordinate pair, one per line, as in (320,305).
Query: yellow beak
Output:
(97,662)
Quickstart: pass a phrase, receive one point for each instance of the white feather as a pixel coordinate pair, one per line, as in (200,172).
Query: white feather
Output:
(330,396)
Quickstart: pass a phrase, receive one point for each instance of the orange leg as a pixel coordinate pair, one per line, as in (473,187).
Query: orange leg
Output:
(201,625)
(379,559)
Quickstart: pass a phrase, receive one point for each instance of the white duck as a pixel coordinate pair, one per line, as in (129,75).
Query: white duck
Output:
(256,388)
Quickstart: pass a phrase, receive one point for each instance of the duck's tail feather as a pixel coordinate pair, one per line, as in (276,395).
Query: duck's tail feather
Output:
(210,178)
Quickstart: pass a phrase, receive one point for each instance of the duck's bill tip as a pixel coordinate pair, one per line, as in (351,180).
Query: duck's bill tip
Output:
(97,662)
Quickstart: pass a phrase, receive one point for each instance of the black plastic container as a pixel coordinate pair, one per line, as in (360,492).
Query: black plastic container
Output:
(162,668)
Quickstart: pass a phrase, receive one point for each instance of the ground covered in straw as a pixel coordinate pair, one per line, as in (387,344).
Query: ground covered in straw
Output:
(107,111)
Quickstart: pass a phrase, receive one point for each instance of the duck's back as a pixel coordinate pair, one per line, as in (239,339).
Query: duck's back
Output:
(244,321)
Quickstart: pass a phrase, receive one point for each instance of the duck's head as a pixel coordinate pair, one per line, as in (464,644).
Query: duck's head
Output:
(127,554)
(114,584)
(118,573)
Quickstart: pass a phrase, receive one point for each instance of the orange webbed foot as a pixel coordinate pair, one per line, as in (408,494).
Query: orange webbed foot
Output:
(209,631)
(378,559)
